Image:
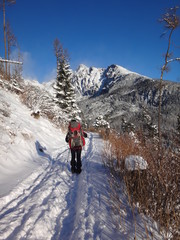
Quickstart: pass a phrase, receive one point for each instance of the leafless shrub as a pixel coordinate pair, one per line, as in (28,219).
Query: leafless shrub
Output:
(38,99)
(154,190)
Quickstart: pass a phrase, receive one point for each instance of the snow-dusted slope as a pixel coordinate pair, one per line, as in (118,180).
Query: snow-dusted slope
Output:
(20,134)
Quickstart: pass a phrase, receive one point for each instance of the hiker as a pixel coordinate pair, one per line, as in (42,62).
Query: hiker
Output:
(75,138)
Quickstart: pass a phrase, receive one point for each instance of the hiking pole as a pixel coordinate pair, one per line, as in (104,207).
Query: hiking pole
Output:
(61,153)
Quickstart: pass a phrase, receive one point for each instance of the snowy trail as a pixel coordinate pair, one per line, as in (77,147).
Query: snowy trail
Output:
(52,203)
(87,196)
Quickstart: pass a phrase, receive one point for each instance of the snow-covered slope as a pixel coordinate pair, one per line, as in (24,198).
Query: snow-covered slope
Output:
(21,134)
(40,199)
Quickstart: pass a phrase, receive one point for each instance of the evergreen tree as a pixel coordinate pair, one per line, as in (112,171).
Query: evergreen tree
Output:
(65,95)
(59,86)
(64,90)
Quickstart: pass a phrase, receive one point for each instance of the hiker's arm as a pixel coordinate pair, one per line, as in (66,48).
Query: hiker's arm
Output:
(67,137)
(85,134)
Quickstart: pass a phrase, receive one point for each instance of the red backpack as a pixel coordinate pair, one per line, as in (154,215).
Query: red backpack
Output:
(76,135)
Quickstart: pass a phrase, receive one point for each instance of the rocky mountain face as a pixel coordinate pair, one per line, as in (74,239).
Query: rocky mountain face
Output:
(125,99)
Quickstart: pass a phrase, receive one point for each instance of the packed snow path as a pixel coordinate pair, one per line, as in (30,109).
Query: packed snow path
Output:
(53,203)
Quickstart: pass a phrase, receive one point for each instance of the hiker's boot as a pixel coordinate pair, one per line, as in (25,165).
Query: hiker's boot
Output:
(73,170)
(78,171)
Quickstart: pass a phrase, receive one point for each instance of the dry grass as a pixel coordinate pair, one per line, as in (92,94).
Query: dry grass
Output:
(155,190)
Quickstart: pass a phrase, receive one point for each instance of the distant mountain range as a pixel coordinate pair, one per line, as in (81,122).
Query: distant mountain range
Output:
(123,98)
(95,81)
(120,95)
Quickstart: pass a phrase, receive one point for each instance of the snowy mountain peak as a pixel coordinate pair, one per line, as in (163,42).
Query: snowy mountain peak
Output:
(82,67)
(91,80)
(87,79)
(118,70)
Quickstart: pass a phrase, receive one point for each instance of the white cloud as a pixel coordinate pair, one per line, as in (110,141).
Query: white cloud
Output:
(31,70)
(50,76)
(28,66)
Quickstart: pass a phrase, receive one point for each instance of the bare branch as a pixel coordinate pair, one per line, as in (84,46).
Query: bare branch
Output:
(12,41)
(9,2)
(173,60)
(170,19)
(3,6)
(60,53)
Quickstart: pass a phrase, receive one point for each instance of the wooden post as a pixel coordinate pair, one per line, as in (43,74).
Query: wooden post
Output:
(10,62)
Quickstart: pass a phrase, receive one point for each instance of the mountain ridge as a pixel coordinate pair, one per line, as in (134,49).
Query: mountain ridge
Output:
(92,80)
(117,93)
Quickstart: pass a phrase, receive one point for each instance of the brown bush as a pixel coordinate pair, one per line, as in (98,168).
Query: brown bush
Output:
(155,190)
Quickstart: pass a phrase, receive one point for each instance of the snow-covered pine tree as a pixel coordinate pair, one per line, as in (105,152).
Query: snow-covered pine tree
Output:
(100,122)
(64,90)
(59,85)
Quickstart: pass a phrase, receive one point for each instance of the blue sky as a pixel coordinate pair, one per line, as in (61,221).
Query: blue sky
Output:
(95,32)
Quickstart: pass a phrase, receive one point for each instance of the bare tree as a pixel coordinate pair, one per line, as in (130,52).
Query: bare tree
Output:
(3,6)
(11,41)
(171,22)
(18,67)
(58,49)
(1,69)
(60,53)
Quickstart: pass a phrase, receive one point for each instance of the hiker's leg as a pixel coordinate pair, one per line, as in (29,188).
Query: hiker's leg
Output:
(73,163)
(79,165)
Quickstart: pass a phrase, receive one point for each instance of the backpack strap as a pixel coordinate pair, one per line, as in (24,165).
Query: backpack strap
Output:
(73,128)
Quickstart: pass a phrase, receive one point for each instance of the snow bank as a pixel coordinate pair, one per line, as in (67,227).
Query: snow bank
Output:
(135,162)
(19,135)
